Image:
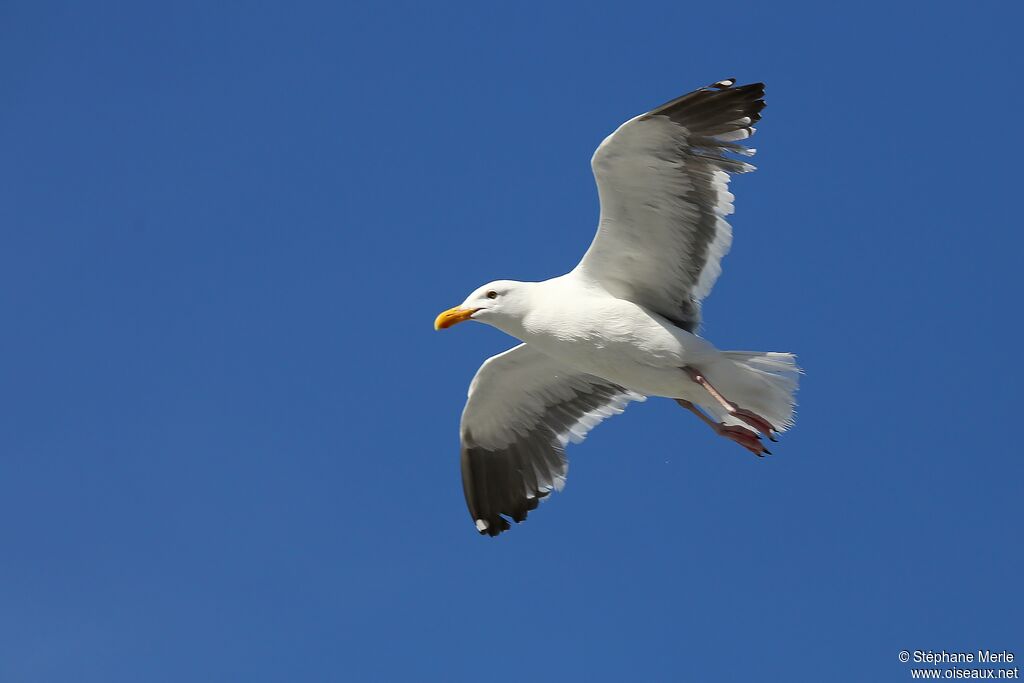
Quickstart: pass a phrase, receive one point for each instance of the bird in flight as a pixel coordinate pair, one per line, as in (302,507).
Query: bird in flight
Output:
(622,325)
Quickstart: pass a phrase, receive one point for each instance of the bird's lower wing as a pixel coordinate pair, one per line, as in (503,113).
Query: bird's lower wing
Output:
(523,408)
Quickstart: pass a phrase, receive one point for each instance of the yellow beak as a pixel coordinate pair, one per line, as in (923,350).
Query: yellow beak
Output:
(453,316)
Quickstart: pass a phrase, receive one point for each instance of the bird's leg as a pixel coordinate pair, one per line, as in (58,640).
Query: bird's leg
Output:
(752,419)
(741,435)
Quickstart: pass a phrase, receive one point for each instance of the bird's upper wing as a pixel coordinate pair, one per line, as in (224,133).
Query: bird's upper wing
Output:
(663,180)
(523,408)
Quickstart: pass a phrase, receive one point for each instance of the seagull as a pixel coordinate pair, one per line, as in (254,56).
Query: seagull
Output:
(622,325)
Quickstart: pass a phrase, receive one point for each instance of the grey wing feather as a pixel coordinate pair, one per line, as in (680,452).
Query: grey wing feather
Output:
(523,408)
(663,181)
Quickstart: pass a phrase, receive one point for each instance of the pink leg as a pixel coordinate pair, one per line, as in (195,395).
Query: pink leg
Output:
(741,435)
(753,419)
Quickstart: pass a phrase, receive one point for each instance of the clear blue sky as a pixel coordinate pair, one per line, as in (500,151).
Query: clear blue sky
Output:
(229,435)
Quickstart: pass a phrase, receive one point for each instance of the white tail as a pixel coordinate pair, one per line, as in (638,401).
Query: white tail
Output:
(764,382)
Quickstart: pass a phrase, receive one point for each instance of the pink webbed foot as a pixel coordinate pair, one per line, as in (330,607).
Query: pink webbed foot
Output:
(756,421)
(753,419)
(744,437)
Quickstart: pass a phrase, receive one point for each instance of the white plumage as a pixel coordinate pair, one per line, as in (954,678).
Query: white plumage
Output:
(622,325)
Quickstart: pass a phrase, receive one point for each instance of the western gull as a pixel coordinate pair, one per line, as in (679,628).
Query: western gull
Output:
(622,325)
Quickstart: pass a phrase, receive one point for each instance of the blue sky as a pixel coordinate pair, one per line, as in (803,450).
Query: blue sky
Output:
(229,435)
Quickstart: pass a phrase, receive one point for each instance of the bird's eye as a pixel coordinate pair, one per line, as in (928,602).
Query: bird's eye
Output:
(492,294)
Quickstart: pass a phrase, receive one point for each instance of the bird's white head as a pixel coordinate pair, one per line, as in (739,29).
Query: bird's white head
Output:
(501,304)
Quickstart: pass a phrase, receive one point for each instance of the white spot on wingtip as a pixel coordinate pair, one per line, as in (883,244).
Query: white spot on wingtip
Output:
(481,525)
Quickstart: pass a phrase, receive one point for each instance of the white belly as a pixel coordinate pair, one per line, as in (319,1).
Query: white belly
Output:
(623,343)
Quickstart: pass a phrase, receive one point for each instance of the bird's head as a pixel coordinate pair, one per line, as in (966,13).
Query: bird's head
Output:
(501,303)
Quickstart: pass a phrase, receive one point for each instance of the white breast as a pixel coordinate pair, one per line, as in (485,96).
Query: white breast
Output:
(613,339)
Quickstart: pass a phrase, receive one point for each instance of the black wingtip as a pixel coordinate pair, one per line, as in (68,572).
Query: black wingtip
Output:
(717,109)
(492,527)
